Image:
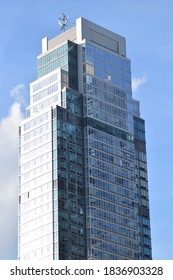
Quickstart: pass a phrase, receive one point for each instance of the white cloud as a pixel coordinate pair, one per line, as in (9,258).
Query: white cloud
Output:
(19,93)
(137,82)
(9,181)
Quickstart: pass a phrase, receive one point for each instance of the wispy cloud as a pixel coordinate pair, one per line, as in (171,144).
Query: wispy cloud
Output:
(9,181)
(137,82)
(19,93)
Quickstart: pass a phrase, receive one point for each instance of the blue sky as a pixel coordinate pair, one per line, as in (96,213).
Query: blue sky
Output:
(148,28)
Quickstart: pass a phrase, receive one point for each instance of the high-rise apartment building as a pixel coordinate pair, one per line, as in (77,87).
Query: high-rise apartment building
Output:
(83,190)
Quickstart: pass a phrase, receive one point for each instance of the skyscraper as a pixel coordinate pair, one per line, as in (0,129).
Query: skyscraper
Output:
(83,190)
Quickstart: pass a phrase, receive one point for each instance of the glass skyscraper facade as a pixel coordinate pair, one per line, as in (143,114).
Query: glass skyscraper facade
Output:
(83,187)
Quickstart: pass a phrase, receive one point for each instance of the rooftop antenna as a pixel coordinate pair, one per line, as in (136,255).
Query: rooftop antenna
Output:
(63,22)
